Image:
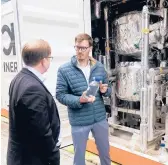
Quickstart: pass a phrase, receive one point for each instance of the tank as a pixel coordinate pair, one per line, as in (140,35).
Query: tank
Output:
(129,81)
(128,34)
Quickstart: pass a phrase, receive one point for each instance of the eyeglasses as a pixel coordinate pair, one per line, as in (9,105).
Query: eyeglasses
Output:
(51,58)
(81,48)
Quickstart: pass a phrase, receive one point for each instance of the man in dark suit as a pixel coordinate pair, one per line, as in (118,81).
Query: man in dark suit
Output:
(34,124)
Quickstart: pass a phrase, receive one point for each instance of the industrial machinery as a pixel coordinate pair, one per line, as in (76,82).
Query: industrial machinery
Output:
(131,40)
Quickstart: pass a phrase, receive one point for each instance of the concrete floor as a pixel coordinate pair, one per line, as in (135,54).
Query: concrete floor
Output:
(65,156)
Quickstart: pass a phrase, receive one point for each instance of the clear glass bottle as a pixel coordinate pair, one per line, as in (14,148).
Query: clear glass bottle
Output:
(93,87)
(163,154)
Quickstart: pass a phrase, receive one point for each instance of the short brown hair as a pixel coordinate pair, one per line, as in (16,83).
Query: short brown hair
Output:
(83,36)
(33,52)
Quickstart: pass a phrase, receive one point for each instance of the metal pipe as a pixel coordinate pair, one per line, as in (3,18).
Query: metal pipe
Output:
(157,71)
(167,96)
(104,61)
(166,120)
(114,111)
(98,6)
(107,42)
(166,130)
(107,45)
(152,110)
(164,25)
(144,68)
(97,9)
(100,58)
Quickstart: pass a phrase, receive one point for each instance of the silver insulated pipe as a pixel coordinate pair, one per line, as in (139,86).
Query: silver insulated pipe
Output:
(97,6)
(107,43)
(97,9)
(144,69)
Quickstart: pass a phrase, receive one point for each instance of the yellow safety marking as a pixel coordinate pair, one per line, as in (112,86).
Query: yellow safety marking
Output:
(161,70)
(107,48)
(146,31)
(88,155)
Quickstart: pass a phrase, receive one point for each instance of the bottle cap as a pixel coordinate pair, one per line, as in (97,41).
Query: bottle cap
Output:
(98,78)
(162,145)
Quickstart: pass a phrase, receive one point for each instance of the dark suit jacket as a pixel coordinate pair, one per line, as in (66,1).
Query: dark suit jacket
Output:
(34,123)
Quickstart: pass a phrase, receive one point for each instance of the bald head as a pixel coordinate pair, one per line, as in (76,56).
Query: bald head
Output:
(33,52)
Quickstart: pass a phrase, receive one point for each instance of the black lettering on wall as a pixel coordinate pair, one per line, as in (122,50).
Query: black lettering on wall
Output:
(10,67)
(11,34)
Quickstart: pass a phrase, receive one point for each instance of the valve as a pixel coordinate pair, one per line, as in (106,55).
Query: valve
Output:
(165,3)
(152,3)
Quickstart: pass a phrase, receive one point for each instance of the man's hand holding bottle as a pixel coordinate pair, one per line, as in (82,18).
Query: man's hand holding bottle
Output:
(89,95)
(87,99)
